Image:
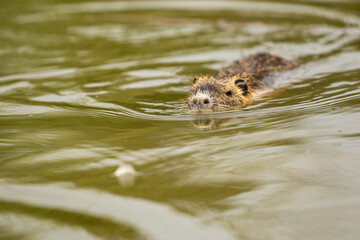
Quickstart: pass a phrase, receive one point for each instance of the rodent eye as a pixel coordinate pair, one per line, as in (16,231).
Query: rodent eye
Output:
(228,93)
(195,80)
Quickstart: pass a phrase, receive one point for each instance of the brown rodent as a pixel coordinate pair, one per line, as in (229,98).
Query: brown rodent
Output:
(236,84)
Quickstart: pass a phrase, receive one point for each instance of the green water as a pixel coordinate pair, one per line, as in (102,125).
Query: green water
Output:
(96,143)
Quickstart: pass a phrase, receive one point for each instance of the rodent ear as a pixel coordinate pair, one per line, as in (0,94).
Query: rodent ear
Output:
(195,80)
(241,85)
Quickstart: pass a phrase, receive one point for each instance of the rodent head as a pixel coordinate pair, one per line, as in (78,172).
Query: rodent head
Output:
(211,93)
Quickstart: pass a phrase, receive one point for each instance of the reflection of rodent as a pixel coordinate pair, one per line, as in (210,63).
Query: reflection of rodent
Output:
(236,84)
(208,124)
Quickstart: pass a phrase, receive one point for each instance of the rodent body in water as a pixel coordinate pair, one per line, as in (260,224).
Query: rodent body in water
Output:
(236,84)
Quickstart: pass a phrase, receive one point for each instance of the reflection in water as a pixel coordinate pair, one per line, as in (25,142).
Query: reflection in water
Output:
(207,124)
(96,141)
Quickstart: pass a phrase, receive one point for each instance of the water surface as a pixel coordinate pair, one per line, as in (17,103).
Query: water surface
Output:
(92,90)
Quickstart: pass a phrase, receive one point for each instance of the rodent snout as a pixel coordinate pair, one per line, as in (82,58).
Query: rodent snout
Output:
(201,100)
(200,103)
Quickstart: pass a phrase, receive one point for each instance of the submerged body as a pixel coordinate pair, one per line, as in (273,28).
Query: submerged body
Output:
(237,84)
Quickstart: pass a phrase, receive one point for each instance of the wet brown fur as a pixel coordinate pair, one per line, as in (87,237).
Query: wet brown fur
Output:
(236,84)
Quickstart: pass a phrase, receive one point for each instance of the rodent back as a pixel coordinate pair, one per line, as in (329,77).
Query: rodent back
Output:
(260,65)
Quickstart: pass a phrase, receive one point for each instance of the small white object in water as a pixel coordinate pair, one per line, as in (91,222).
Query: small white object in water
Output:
(126,175)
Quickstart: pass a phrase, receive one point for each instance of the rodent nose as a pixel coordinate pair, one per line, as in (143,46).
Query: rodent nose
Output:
(201,101)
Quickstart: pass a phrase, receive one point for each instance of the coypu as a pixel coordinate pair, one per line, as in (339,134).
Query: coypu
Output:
(236,84)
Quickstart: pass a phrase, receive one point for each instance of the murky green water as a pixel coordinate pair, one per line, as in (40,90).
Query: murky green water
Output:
(96,142)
